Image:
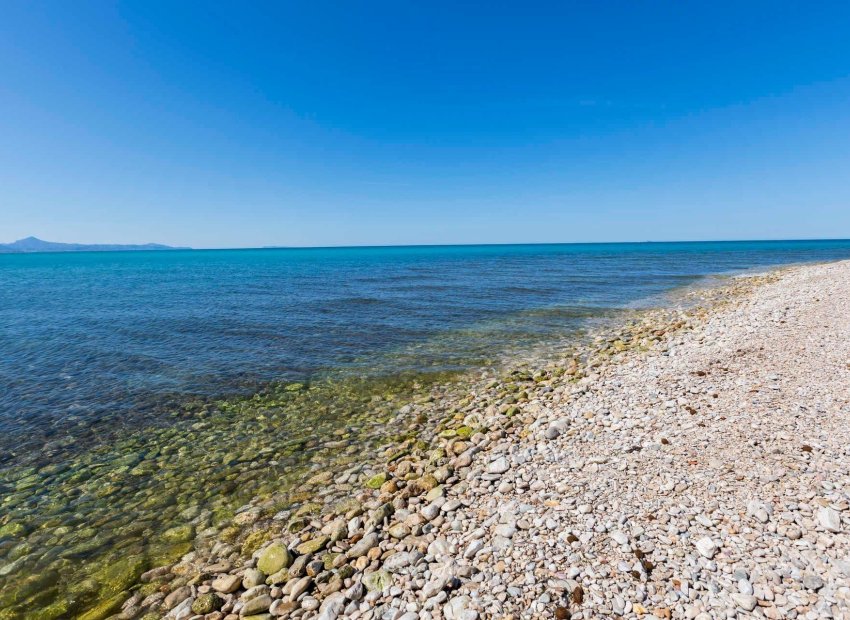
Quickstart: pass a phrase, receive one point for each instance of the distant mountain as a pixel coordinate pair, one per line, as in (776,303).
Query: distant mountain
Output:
(31,244)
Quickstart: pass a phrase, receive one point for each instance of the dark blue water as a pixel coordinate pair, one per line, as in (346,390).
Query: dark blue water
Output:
(106,337)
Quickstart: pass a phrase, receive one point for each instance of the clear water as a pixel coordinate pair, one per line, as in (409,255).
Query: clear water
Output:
(97,340)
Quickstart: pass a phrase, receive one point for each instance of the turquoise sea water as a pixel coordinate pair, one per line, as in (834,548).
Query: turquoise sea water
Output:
(95,341)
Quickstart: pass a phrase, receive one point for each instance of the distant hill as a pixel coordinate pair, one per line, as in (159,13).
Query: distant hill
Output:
(32,244)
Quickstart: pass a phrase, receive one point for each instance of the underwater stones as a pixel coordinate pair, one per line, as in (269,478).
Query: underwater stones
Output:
(428,482)
(434,493)
(12,529)
(104,609)
(178,534)
(120,574)
(274,558)
(254,541)
(313,545)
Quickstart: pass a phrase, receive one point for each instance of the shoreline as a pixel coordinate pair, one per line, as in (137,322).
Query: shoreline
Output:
(339,564)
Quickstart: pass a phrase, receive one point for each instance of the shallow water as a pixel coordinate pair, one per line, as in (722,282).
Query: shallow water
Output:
(112,432)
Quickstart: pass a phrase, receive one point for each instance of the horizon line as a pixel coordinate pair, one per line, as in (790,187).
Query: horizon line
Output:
(402,246)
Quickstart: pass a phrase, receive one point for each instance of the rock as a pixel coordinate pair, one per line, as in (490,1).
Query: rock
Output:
(430,512)
(178,534)
(274,558)
(332,606)
(181,611)
(257,605)
(362,547)
(453,610)
(619,537)
(399,530)
(498,466)
(553,432)
(177,596)
(313,545)
(472,550)
(227,583)
(829,519)
(252,577)
(706,547)
(759,511)
(207,603)
(744,601)
(299,588)
(299,566)
(398,561)
(377,581)
(376,481)
(812,581)
(745,587)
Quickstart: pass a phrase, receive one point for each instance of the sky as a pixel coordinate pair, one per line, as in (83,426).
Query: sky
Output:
(234,124)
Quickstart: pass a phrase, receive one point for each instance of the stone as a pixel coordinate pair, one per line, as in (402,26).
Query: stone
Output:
(274,558)
(332,606)
(252,577)
(706,547)
(299,588)
(362,547)
(398,561)
(177,596)
(812,581)
(207,603)
(746,602)
(745,587)
(178,534)
(377,581)
(313,545)
(399,530)
(498,466)
(829,519)
(227,583)
(257,605)
(376,481)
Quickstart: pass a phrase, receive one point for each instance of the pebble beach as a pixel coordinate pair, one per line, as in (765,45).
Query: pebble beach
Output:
(693,462)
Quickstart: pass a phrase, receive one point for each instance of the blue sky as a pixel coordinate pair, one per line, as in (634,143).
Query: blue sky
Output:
(313,123)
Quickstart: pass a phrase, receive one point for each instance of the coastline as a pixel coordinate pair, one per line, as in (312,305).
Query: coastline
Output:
(421,503)
(430,536)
